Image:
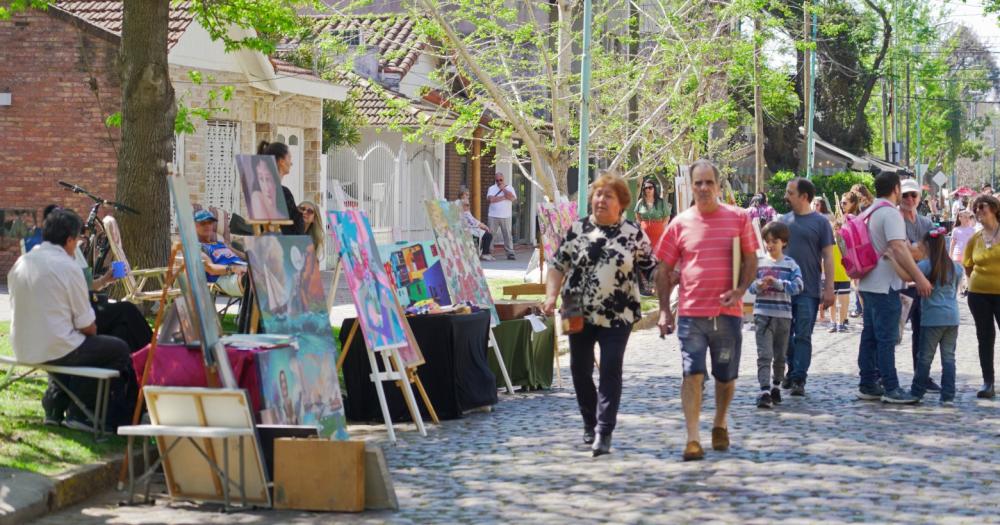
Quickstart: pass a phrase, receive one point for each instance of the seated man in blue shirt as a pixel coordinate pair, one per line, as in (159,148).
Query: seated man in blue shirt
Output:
(223,265)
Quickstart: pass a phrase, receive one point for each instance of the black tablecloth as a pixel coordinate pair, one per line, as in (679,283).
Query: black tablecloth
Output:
(456,374)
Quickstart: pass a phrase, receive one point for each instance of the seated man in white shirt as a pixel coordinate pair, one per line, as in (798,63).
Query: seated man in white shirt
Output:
(53,323)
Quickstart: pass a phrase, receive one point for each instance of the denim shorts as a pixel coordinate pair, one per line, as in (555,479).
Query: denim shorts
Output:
(720,336)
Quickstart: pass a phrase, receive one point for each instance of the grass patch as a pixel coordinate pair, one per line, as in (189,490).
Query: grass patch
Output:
(27,444)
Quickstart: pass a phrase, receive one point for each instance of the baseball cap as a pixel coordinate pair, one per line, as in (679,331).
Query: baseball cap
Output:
(909,186)
(204,215)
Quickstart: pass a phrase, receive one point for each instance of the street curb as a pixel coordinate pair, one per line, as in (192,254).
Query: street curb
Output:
(67,489)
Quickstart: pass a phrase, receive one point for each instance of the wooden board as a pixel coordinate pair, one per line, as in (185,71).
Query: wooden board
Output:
(319,475)
(188,474)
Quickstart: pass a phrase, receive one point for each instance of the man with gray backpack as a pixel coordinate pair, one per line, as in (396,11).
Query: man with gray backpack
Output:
(879,286)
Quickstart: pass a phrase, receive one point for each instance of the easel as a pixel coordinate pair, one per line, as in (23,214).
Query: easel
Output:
(259,229)
(395,370)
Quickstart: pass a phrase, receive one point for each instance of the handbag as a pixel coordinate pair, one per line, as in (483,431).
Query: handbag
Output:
(571,314)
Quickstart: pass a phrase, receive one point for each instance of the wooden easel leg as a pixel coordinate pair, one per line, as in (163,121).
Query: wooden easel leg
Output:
(503,367)
(254,317)
(555,354)
(404,385)
(377,379)
(415,379)
(347,345)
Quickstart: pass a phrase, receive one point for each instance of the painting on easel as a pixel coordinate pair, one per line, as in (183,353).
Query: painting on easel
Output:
(292,300)
(197,298)
(415,270)
(462,271)
(261,187)
(381,319)
(554,221)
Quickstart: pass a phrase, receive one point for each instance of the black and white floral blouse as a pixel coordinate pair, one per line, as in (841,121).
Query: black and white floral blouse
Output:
(601,264)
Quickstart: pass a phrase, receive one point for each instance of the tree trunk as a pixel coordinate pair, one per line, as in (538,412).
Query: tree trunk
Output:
(148,112)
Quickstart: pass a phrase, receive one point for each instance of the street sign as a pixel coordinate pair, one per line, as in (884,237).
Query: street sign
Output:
(940,179)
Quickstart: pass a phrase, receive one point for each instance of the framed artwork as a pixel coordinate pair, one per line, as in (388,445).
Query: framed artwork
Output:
(414,269)
(381,318)
(292,300)
(261,187)
(300,387)
(462,272)
(198,300)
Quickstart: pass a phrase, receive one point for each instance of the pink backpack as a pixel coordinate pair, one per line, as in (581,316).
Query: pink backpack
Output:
(858,254)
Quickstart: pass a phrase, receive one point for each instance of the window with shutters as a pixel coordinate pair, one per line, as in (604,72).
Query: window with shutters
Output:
(222,187)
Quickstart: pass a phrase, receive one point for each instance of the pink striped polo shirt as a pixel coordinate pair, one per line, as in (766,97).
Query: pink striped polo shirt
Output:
(702,246)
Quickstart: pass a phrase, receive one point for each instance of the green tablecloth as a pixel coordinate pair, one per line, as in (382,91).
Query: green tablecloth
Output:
(528,355)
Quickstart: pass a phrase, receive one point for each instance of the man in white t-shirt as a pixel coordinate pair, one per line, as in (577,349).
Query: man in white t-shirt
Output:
(52,322)
(501,198)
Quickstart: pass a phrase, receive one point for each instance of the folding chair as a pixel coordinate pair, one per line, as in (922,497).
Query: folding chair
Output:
(135,281)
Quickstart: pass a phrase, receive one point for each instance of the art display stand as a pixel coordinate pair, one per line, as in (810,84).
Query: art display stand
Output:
(261,228)
(394,371)
(171,275)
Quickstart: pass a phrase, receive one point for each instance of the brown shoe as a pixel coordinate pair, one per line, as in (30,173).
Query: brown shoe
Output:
(720,439)
(693,451)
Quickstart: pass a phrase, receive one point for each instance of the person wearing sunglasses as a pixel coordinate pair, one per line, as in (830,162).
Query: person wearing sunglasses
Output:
(653,213)
(313,224)
(917,227)
(981,260)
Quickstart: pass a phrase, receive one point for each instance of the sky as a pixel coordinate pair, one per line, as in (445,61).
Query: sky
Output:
(971,14)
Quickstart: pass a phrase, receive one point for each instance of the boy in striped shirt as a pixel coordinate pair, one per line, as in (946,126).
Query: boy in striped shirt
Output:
(778,279)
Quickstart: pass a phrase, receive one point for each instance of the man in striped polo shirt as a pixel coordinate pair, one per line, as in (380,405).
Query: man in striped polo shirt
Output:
(699,242)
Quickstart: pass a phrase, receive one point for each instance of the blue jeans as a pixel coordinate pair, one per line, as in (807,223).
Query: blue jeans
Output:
(804,310)
(877,351)
(930,337)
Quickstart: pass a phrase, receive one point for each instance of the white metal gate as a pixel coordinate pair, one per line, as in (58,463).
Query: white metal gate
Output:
(390,187)
(222,188)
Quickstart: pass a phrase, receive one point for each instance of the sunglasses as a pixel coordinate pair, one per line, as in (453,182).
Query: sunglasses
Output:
(647,187)
(910,195)
(306,209)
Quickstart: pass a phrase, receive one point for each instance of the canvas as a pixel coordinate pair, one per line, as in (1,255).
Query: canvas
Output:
(292,300)
(381,318)
(462,272)
(198,300)
(299,387)
(414,268)
(261,187)
(549,224)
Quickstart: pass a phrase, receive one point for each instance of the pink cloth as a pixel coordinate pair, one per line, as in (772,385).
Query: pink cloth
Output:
(177,365)
(702,246)
(960,237)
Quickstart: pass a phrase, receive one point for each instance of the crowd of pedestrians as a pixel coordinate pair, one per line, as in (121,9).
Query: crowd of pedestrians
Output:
(705,259)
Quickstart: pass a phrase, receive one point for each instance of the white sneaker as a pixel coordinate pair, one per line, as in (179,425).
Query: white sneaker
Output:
(488,257)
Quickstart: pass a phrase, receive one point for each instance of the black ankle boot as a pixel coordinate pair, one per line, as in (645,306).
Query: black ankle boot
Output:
(588,436)
(602,445)
(987,392)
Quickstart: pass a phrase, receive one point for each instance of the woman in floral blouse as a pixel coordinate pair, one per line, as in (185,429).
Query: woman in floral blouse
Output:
(597,267)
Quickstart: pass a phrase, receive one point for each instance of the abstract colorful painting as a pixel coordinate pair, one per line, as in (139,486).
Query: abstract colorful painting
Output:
(300,387)
(292,300)
(415,271)
(462,271)
(381,318)
(196,296)
(261,187)
(554,220)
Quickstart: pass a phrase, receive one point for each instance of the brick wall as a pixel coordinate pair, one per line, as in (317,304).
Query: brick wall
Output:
(63,85)
(454,175)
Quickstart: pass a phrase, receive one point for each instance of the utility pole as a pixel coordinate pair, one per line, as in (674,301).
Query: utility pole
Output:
(993,174)
(583,171)
(886,139)
(907,156)
(808,85)
(758,111)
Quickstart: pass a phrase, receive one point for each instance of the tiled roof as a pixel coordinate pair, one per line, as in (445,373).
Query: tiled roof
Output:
(283,68)
(108,16)
(398,44)
(377,106)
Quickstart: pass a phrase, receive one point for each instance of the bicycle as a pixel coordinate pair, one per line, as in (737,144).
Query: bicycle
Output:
(95,245)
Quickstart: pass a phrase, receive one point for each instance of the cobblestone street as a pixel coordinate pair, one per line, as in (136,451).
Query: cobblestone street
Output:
(823,458)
